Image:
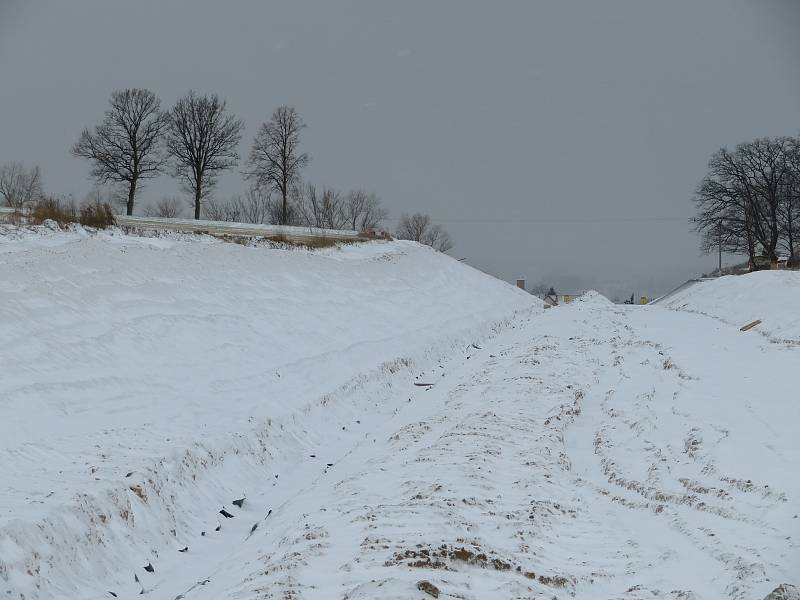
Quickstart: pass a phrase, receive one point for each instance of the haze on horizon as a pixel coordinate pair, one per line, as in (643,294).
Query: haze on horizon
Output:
(559,142)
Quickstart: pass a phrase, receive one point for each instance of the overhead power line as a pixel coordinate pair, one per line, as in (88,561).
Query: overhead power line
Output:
(585,220)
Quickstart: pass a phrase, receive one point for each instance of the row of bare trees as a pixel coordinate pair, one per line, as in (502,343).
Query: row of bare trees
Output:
(327,208)
(749,201)
(196,141)
(137,140)
(333,209)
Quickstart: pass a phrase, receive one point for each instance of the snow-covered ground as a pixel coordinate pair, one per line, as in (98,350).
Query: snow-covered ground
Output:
(771,296)
(395,422)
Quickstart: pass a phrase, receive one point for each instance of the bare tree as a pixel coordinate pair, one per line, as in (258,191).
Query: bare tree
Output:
(20,187)
(202,140)
(215,209)
(96,197)
(275,158)
(766,169)
(288,214)
(364,211)
(540,290)
(253,206)
(418,227)
(724,213)
(413,227)
(789,211)
(168,207)
(308,204)
(125,147)
(741,199)
(325,209)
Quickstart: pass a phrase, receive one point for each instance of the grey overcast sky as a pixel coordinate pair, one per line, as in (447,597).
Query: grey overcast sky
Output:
(556,141)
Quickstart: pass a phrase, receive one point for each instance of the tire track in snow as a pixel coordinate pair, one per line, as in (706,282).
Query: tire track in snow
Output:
(627,421)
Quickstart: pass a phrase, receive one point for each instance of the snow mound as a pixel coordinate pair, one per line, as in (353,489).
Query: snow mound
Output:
(771,296)
(146,381)
(592,298)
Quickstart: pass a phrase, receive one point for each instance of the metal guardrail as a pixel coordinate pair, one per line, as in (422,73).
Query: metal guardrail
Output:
(291,233)
(225,228)
(680,288)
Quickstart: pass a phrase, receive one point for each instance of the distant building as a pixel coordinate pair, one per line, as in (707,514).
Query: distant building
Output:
(567,298)
(553,299)
(759,263)
(762,263)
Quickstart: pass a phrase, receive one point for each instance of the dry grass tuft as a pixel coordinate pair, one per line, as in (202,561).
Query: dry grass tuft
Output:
(376,234)
(53,209)
(310,242)
(279,240)
(98,215)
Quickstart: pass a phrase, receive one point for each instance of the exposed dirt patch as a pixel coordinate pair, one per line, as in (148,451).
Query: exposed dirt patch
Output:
(428,588)
(447,557)
(139,491)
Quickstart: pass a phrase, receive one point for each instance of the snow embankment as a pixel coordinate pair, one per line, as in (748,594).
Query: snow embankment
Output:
(771,296)
(148,381)
(593,298)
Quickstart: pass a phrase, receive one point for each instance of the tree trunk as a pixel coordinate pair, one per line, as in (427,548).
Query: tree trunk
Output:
(197,194)
(131,195)
(774,236)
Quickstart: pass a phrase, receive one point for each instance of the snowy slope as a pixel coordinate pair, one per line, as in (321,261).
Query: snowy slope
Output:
(170,358)
(395,422)
(772,296)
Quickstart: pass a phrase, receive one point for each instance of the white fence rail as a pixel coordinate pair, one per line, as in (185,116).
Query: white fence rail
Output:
(680,288)
(237,229)
(225,228)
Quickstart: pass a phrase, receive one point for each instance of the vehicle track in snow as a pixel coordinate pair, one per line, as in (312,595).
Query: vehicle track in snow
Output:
(582,452)
(562,459)
(643,400)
